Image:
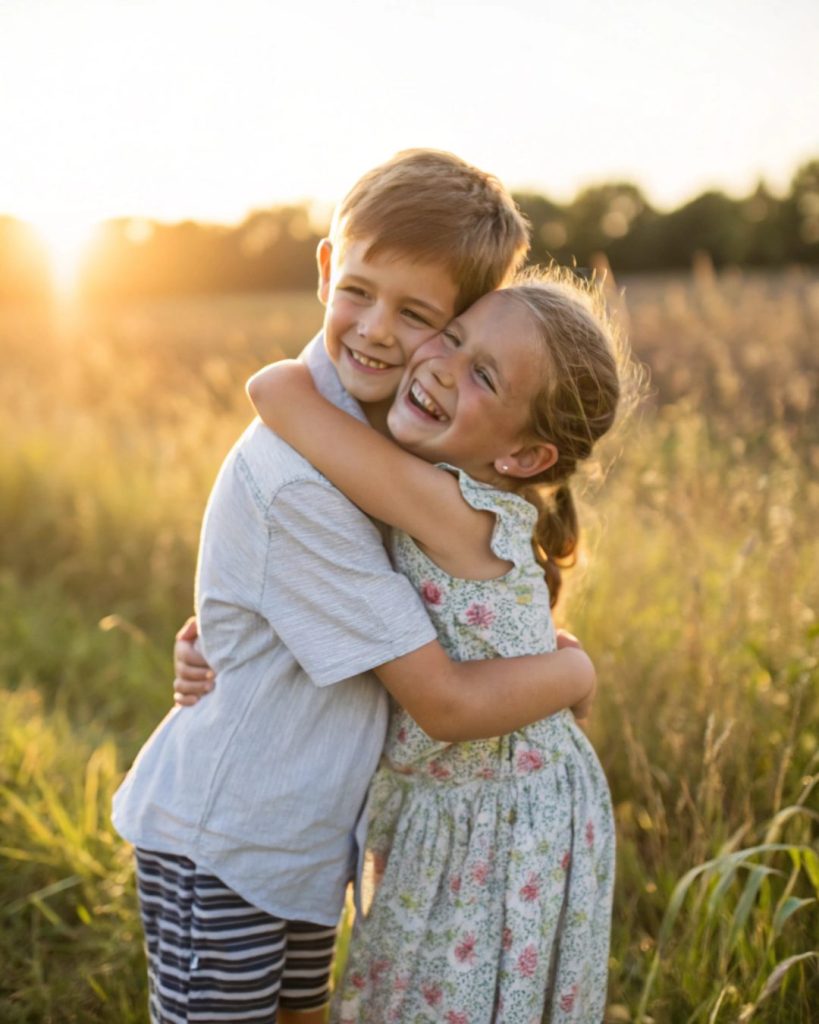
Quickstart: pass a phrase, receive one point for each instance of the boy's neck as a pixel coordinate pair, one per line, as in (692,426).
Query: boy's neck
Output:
(376,413)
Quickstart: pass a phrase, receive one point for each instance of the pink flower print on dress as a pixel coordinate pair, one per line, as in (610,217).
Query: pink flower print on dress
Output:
(432,993)
(527,961)
(567,999)
(566,861)
(358,980)
(530,890)
(402,734)
(432,593)
(378,968)
(507,939)
(590,833)
(480,615)
(438,770)
(455,884)
(465,950)
(456,1017)
(528,760)
(480,872)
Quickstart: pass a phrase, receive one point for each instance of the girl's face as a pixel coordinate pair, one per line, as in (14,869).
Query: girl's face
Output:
(467,392)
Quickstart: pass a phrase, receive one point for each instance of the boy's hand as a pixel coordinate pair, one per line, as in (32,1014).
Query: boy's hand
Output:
(582,710)
(194,676)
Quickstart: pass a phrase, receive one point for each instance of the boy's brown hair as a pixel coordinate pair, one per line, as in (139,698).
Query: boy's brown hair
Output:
(432,207)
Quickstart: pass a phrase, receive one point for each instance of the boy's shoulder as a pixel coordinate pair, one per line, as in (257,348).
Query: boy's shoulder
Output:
(270,463)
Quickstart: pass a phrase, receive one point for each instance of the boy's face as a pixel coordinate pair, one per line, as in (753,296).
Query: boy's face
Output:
(379,311)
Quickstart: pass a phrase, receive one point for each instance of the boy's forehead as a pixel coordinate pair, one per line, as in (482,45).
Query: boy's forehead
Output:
(429,282)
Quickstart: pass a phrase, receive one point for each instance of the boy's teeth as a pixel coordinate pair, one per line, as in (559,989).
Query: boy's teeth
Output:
(373,364)
(422,398)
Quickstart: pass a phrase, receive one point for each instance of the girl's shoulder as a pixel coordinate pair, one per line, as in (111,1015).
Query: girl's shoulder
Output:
(515,518)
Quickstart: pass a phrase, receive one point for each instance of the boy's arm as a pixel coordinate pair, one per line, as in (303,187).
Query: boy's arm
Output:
(386,482)
(451,701)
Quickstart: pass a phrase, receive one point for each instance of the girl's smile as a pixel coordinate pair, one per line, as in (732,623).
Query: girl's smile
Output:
(466,395)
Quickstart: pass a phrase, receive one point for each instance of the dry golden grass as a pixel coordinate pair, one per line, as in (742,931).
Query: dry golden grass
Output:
(697,597)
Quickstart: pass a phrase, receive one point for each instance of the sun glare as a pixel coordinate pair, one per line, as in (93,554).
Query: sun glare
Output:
(66,241)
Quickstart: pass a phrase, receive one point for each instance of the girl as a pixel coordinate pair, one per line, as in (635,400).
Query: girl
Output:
(496,856)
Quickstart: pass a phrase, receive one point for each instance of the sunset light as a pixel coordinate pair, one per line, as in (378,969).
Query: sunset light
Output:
(175,110)
(66,240)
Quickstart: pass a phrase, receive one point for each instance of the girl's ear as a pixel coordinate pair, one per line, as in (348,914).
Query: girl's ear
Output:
(324,261)
(527,461)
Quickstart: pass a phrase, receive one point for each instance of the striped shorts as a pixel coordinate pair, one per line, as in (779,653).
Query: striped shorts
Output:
(212,957)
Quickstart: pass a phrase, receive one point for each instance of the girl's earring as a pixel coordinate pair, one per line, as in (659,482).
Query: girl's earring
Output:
(504,468)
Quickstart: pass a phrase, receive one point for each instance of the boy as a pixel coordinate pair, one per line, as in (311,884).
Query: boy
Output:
(244,810)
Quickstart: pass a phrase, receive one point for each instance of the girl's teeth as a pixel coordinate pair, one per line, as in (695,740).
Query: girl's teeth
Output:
(426,403)
(373,364)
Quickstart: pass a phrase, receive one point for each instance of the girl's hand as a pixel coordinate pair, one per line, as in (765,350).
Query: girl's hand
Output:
(582,710)
(194,676)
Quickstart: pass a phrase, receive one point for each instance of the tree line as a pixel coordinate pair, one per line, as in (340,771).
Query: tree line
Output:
(274,249)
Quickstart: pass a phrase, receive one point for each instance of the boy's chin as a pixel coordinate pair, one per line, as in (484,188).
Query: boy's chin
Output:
(368,391)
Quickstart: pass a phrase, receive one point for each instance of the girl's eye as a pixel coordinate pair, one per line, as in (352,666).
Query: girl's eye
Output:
(352,289)
(485,377)
(451,338)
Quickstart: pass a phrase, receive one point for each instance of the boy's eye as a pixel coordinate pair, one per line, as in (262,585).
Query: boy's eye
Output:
(486,378)
(410,314)
(352,289)
(451,338)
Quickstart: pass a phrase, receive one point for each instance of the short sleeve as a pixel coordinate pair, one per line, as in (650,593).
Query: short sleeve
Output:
(515,518)
(330,591)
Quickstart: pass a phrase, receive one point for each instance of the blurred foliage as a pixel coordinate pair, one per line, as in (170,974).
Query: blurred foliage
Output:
(696,595)
(275,249)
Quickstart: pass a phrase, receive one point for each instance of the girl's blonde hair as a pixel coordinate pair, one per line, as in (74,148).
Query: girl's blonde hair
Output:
(584,369)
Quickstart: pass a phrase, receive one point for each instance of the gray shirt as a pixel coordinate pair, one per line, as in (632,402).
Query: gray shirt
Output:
(262,783)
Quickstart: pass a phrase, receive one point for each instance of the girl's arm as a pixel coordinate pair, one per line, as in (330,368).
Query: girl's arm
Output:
(382,479)
(454,701)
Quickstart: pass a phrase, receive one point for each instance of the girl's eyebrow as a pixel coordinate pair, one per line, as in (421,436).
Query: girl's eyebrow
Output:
(488,358)
(494,365)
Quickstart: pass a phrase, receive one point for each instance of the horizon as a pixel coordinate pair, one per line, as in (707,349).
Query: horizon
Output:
(167,112)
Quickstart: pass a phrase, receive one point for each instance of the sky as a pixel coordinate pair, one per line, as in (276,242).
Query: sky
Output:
(172,109)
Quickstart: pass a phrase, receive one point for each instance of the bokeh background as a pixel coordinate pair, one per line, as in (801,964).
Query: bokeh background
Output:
(166,171)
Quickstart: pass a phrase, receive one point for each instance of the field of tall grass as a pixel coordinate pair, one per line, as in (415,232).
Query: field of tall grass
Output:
(697,596)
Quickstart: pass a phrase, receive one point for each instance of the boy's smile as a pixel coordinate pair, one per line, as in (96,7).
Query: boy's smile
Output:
(379,311)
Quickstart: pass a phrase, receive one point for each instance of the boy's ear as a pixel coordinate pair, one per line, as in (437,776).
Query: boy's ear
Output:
(528,461)
(324,261)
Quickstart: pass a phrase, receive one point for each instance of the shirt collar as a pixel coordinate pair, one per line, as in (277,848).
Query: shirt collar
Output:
(326,378)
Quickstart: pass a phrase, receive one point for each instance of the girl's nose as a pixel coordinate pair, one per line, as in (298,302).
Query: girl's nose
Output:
(442,372)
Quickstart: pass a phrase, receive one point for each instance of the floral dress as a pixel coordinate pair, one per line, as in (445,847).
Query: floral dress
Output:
(497,855)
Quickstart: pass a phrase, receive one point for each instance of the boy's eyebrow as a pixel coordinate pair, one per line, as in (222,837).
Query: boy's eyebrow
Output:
(427,305)
(411,299)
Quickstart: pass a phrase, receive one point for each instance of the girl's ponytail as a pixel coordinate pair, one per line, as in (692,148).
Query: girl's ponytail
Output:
(574,407)
(556,534)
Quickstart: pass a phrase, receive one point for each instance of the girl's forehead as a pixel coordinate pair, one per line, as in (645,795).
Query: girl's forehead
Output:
(497,315)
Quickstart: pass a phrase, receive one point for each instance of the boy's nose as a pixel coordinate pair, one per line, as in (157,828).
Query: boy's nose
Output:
(376,328)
